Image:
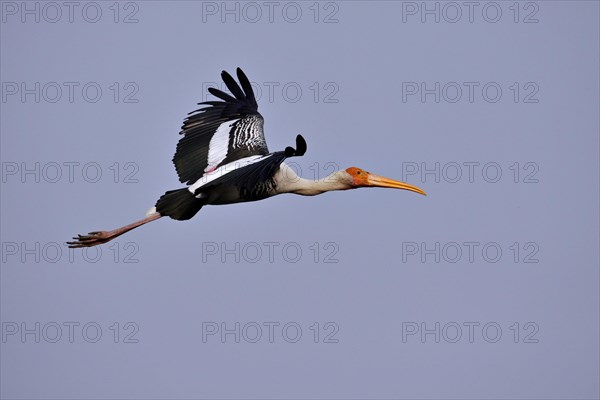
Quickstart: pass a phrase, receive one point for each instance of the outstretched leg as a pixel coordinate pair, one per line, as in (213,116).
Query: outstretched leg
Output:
(100,237)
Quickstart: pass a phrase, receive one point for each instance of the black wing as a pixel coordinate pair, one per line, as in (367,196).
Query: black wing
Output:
(255,181)
(221,133)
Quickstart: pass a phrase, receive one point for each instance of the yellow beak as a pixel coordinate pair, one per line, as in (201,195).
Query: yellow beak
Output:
(380,181)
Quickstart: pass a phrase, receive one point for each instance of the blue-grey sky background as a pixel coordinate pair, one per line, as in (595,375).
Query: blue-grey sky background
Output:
(153,65)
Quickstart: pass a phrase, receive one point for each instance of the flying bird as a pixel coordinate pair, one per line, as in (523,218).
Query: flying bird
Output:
(223,158)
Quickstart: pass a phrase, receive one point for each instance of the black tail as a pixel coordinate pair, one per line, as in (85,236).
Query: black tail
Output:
(179,204)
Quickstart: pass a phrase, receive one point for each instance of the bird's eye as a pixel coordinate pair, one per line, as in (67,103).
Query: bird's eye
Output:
(357,172)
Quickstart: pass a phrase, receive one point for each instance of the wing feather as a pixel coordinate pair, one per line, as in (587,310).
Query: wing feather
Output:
(236,120)
(247,87)
(220,94)
(232,85)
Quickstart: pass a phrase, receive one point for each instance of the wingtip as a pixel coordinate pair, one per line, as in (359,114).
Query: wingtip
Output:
(301,145)
(240,73)
(299,150)
(225,75)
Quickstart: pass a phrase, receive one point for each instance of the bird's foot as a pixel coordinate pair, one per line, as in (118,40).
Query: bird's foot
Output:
(100,237)
(91,239)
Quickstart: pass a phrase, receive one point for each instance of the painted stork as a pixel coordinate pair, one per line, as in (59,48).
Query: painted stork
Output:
(224,159)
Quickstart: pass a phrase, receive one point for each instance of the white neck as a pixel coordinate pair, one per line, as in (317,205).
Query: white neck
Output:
(289,182)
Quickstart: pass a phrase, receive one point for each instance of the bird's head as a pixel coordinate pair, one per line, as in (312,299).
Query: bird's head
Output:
(358,178)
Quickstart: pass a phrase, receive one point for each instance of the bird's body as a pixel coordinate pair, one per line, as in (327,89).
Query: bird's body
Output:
(223,158)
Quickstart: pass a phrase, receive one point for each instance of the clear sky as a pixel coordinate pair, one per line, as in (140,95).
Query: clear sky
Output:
(486,288)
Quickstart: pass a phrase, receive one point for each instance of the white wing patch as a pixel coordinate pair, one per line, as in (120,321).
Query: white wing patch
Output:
(219,144)
(224,170)
(249,133)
